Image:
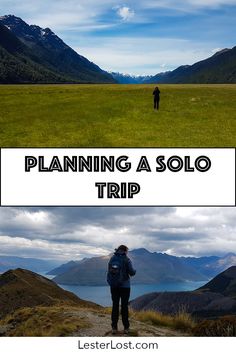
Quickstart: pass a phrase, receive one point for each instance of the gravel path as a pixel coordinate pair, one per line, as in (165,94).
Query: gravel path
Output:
(100,327)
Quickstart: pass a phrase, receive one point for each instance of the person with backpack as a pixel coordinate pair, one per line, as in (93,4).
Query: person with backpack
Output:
(120,269)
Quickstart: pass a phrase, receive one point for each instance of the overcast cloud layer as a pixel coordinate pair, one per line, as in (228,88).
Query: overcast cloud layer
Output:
(137,37)
(73,233)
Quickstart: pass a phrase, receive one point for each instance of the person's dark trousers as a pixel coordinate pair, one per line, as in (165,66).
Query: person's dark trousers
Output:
(156,104)
(118,294)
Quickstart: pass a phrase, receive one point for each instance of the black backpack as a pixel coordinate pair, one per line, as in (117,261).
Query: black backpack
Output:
(117,271)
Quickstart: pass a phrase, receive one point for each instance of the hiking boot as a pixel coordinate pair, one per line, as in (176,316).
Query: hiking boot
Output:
(126,331)
(114,331)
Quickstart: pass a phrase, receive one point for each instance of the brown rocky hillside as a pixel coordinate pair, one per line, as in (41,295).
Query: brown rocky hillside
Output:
(22,288)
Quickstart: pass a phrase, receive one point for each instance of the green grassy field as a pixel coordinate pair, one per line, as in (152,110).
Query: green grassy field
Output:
(117,115)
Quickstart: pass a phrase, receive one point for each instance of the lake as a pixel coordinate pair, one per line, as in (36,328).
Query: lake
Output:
(101,294)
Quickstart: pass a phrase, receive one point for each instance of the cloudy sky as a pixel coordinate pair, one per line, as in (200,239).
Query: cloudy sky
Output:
(74,233)
(137,37)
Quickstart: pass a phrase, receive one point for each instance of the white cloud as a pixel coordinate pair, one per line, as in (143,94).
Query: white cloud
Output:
(143,55)
(44,249)
(125,13)
(59,14)
(187,5)
(210,3)
(73,233)
(33,219)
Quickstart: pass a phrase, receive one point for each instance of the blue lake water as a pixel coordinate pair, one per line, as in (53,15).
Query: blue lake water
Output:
(101,294)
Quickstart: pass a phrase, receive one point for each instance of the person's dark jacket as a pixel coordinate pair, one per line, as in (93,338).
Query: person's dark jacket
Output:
(156,94)
(129,268)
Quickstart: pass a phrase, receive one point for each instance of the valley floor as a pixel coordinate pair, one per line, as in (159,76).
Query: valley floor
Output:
(117,116)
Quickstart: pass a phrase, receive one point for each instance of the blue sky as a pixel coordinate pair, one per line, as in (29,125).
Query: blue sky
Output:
(136,37)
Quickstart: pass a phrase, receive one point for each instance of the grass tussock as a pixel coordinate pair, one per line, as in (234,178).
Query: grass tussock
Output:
(44,322)
(181,321)
(222,327)
(107,310)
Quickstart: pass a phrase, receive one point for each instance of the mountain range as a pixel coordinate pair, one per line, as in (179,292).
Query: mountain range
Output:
(224,283)
(130,79)
(218,69)
(152,268)
(34,264)
(31,54)
(216,298)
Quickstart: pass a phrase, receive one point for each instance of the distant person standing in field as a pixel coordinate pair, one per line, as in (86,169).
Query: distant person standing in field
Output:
(119,271)
(156,94)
